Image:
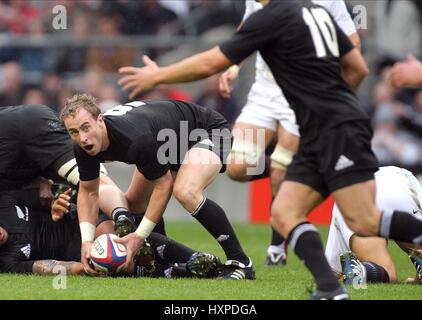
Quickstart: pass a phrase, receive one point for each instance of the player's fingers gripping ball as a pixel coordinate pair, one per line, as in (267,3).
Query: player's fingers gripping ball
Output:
(107,256)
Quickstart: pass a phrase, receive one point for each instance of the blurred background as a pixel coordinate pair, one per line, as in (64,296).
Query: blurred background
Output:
(52,49)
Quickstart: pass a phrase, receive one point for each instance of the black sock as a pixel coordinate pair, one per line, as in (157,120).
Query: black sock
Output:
(213,218)
(159,228)
(401,226)
(168,250)
(375,273)
(306,243)
(276,238)
(120,211)
(266,172)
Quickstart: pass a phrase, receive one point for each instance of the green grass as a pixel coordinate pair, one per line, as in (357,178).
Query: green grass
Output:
(272,283)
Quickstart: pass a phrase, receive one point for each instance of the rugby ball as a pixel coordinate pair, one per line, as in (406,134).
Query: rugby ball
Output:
(108,256)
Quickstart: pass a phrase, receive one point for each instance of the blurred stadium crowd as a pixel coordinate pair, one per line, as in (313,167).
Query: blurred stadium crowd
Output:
(36,68)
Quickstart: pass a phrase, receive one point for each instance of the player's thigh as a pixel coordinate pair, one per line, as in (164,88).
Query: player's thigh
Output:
(287,140)
(357,205)
(199,168)
(373,249)
(249,144)
(139,192)
(282,156)
(252,133)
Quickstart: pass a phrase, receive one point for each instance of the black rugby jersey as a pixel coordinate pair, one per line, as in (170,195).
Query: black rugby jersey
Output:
(33,143)
(153,134)
(302,45)
(32,235)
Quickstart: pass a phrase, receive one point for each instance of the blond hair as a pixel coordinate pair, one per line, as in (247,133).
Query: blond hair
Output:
(78,101)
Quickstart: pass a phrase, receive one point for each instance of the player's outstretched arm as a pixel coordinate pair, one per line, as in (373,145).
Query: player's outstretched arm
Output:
(54,267)
(199,66)
(406,73)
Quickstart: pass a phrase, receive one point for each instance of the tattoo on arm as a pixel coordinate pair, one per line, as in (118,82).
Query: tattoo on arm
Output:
(49,267)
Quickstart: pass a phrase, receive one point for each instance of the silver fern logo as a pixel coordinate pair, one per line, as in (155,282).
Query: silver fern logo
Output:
(223,237)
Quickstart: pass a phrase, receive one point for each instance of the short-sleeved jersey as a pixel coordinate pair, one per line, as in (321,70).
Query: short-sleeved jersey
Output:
(32,141)
(32,234)
(263,75)
(302,46)
(153,135)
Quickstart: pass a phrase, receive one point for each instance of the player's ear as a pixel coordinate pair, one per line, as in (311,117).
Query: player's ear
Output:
(100,118)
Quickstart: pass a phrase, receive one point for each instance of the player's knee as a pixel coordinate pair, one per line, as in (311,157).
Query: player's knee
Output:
(244,154)
(237,172)
(186,194)
(278,216)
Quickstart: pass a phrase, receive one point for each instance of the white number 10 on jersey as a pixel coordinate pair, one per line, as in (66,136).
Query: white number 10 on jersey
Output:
(322,30)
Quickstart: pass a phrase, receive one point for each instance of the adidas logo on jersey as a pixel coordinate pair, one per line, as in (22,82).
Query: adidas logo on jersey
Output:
(342,163)
(26,250)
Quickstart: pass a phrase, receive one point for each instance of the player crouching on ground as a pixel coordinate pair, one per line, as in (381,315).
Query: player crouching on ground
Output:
(163,138)
(360,260)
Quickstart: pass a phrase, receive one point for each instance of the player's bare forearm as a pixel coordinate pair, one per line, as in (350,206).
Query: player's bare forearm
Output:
(197,67)
(88,201)
(163,188)
(354,68)
(54,267)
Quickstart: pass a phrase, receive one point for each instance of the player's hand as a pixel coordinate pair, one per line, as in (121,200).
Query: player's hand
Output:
(133,242)
(225,82)
(406,73)
(137,80)
(77,268)
(61,205)
(86,256)
(45,194)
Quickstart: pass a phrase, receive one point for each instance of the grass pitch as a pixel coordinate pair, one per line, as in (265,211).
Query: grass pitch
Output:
(273,283)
